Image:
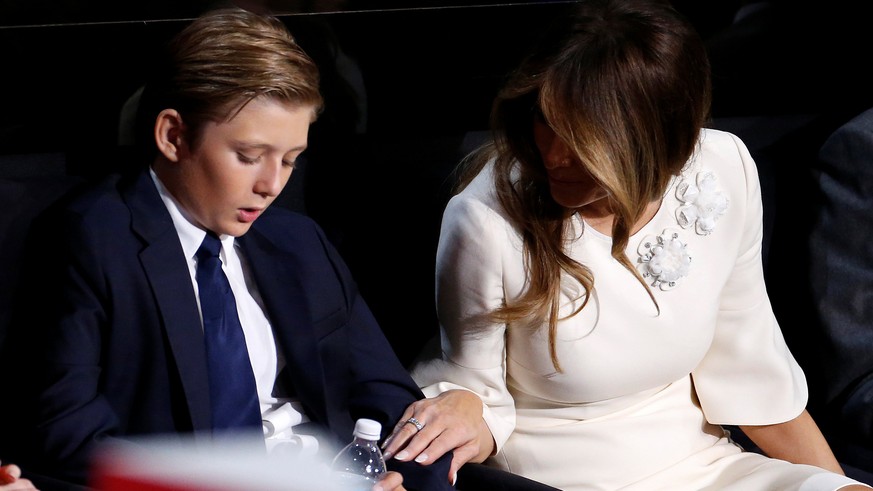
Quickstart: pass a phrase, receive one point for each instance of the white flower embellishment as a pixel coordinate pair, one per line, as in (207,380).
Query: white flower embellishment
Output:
(664,258)
(702,204)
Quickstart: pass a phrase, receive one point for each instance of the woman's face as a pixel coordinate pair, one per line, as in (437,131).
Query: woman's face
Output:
(571,186)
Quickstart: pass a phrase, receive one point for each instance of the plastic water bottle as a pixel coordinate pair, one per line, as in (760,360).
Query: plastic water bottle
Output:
(360,463)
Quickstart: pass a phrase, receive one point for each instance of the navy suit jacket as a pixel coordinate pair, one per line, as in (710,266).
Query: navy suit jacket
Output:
(116,336)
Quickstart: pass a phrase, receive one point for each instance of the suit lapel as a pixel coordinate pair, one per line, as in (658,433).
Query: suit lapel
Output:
(164,263)
(277,275)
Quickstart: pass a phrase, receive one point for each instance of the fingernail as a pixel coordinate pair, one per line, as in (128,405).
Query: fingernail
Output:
(377,488)
(387,455)
(454,478)
(421,458)
(402,455)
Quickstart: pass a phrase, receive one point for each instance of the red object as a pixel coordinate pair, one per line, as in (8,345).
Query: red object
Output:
(109,482)
(5,476)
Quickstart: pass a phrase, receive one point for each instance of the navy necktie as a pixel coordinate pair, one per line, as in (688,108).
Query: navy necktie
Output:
(232,388)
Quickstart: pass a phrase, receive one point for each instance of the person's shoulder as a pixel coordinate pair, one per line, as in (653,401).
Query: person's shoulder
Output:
(723,162)
(715,139)
(476,210)
(93,200)
(278,217)
(479,190)
(288,228)
(850,141)
(478,194)
(863,120)
(721,150)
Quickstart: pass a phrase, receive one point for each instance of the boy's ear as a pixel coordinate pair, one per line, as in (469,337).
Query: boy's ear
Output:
(168,133)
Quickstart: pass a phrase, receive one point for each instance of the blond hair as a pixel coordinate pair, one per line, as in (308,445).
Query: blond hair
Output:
(220,62)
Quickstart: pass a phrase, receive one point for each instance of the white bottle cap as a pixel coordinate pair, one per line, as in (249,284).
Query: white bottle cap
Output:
(368,429)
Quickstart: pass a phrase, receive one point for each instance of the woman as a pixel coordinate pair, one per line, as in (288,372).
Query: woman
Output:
(599,281)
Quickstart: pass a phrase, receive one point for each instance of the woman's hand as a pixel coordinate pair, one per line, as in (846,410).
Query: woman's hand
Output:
(451,421)
(10,479)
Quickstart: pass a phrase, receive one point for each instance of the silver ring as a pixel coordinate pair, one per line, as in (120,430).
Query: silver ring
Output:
(414,422)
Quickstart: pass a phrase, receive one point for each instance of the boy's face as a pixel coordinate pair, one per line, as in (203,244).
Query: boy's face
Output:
(238,167)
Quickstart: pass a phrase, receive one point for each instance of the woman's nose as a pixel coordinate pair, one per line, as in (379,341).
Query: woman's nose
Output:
(557,154)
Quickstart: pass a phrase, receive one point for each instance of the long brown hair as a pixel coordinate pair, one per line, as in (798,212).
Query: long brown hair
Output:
(626,85)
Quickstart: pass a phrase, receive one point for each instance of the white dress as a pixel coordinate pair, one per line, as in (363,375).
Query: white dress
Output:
(642,391)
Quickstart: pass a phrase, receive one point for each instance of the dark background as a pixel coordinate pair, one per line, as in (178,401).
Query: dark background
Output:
(68,66)
(408,87)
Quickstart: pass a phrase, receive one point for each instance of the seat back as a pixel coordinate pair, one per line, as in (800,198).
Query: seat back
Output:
(28,185)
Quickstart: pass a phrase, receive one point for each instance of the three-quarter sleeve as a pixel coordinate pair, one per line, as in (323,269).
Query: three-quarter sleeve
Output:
(469,284)
(748,376)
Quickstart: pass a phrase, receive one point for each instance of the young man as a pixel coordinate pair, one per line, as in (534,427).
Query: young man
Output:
(142,329)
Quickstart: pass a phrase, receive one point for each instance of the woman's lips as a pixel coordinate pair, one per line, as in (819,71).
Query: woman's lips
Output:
(555,180)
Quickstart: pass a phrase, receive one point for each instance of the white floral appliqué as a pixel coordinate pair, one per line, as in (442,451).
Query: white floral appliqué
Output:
(664,259)
(702,204)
